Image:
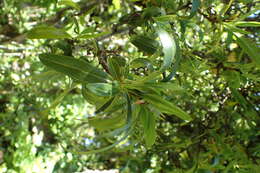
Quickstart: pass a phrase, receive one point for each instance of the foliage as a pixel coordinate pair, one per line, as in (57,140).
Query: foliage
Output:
(139,86)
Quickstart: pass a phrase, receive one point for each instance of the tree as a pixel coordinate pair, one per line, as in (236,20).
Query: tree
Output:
(154,85)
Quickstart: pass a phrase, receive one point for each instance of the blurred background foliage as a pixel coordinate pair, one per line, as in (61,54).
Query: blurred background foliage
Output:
(44,119)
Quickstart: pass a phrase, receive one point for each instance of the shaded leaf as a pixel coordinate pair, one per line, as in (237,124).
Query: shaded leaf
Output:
(194,8)
(145,43)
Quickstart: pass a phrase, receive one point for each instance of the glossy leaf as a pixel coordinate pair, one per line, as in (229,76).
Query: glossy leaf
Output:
(148,121)
(77,69)
(169,48)
(176,63)
(47,32)
(166,107)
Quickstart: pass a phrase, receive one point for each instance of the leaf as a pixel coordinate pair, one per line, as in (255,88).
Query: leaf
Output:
(116,67)
(141,62)
(176,63)
(144,43)
(232,78)
(148,121)
(247,24)
(103,89)
(250,48)
(165,18)
(93,35)
(169,48)
(47,32)
(194,8)
(127,129)
(107,123)
(105,106)
(77,69)
(70,3)
(233,28)
(166,106)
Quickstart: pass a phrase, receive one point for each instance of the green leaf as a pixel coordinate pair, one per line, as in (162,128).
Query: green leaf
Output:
(103,89)
(194,8)
(47,32)
(107,123)
(105,106)
(250,48)
(165,18)
(166,107)
(77,69)
(233,28)
(233,78)
(127,129)
(176,63)
(93,35)
(145,44)
(169,48)
(247,24)
(141,62)
(70,3)
(116,67)
(148,121)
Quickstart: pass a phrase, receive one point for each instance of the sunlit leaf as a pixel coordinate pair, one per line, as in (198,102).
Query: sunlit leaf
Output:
(47,32)
(169,48)
(166,106)
(247,24)
(103,89)
(107,123)
(70,3)
(148,121)
(77,69)
(250,48)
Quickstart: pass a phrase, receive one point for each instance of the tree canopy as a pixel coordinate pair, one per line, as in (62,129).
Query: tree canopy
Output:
(130,85)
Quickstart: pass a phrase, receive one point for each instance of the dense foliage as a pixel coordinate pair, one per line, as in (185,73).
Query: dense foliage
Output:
(138,86)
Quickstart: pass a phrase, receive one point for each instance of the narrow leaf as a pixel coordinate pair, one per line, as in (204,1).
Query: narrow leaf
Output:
(247,24)
(47,32)
(77,69)
(70,3)
(103,89)
(148,121)
(107,123)
(169,48)
(105,106)
(250,48)
(166,107)
(194,8)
